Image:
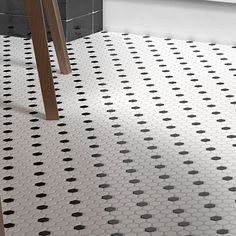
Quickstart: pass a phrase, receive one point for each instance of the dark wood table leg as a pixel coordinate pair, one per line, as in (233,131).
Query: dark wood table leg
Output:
(2,231)
(40,42)
(58,37)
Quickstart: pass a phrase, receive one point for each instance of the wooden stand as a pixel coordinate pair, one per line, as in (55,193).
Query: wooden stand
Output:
(40,43)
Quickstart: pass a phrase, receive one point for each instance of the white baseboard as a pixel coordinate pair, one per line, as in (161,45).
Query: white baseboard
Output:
(181,19)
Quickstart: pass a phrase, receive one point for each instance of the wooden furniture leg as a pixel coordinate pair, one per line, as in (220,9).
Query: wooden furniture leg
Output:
(2,231)
(58,37)
(40,42)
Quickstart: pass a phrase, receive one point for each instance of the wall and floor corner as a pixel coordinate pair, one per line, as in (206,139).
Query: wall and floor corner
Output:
(146,140)
(200,20)
(79,17)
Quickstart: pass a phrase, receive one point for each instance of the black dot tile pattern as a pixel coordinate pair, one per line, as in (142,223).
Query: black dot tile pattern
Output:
(145,144)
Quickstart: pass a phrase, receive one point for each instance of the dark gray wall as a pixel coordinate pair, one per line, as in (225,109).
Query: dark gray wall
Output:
(79,17)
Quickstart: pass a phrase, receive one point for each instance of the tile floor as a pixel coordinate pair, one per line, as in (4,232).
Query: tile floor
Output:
(146,143)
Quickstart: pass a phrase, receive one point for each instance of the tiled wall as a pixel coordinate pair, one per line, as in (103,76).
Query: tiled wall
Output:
(79,17)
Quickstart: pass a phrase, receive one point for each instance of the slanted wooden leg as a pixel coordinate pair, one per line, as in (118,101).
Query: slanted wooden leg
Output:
(39,37)
(2,231)
(58,37)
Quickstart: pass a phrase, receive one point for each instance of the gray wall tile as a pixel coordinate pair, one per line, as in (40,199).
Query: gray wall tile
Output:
(77,17)
(78,27)
(97,5)
(77,8)
(13,7)
(97,21)
(14,25)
